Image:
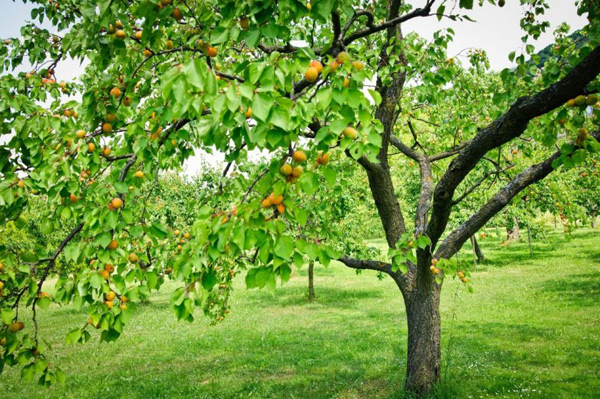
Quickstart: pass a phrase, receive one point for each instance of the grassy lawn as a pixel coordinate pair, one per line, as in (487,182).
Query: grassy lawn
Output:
(531,329)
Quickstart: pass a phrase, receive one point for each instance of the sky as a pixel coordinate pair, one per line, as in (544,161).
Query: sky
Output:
(496,31)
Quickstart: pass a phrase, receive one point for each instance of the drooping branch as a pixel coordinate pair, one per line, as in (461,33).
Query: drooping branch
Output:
(358,14)
(418,12)
(449,153)
(532,174)
(507,127)
(479,182)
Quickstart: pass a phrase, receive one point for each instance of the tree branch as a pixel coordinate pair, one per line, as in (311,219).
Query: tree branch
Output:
(532,174)
(367,265)
(507,127)
(419,12)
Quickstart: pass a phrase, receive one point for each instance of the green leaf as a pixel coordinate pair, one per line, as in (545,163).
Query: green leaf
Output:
(468,4)
(121,187)
(44,302)
(7,315)
(284,247)
(73,336)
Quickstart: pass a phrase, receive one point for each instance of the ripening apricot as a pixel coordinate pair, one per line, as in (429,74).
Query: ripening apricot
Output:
(1,285)
(169,45)
(299,156)
(107,127)
(333,65)
(317,64)
(138,35)
(112,245)
(73,198)
(281,208)
(120,34)
(570,103)
(580,100)
(110,295)
(212,51)
(109,268)
(244,23)
(186,236)
(350,132)
(358,65)
(179,248)
(177,14)
(346,82)
(434,261)
(297,171)
(311,74)
(133,258)
(109,304)
(591,99)
(249,113)
(117,203)
(276,199)
(21,184)
(123,306)
(147,53)
(91,147)
(2,341)
(286,169)
(115,92)
(460,274)
(106,151)
(343,57)
(266,203)
(16,326)
(176,232)
(139,174)
(124,298)
(119,24)
(323,159)
(80,134)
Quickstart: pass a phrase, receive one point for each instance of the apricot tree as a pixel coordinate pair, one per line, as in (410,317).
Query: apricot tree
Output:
(166,77)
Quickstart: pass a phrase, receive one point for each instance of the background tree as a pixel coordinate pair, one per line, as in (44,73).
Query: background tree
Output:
(166,77)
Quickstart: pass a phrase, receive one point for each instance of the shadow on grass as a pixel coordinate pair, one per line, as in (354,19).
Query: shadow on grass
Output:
(326,296)
(577,290)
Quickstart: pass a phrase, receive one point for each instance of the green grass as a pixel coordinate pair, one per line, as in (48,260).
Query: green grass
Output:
(531,329)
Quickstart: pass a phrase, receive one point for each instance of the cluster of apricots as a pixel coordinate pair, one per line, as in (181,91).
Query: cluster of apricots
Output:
(274,200)
(292,173)
(434,269)
(316,67)
(183,240)
(583,101)
(109,299)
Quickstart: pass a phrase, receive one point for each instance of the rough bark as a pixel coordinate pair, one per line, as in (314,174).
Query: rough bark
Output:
(513,233)
(386,202)
(311,284)
(424,339)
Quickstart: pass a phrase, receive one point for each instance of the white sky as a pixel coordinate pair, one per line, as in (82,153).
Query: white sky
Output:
(496,30)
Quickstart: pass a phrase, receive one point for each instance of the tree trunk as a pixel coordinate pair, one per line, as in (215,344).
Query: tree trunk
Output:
(311,283)
(529,241)
(477,250)
(512,234)
(424,339)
